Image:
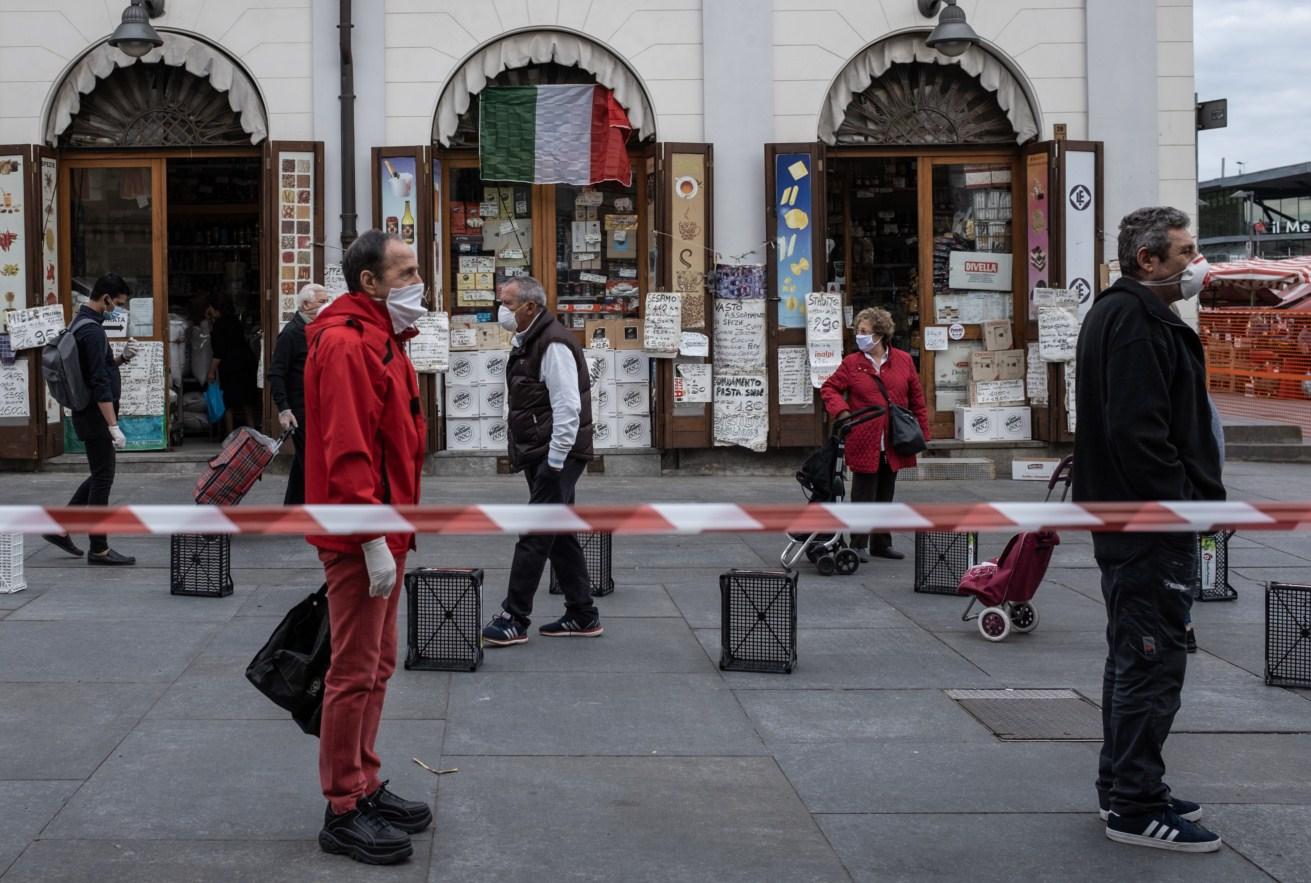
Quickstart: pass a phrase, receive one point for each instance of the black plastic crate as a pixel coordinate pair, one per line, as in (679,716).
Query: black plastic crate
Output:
(200,565)
(445,612)
(1213,580)
(1287,635)
(597,552)
(758,629)
(941,560)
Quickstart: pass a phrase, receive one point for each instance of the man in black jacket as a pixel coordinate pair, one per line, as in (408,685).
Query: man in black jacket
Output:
(97,424)
(287,383)
(1145,434)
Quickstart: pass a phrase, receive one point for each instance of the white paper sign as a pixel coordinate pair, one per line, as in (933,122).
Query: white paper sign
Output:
(999,392)
(35,327)
(935,338)
(1058,334)
(1071,400)
(694,344)
(823,335)
(740,336)
(1036,377)
(334,280)
(794,376)
(662,324)
(141,318)
(981,270)
(430,351)
(1063,298)
(464,337)
(692,383)
(143,380)
(13,390)
(741,411)
(597,278)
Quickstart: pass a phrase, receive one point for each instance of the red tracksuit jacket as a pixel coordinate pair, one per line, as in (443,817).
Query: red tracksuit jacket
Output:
(853,387)
(364,427)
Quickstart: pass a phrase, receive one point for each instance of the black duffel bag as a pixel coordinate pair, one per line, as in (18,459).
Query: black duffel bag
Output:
(292,665)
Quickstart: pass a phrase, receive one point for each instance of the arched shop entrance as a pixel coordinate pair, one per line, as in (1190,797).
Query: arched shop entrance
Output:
(599,248)
(928,196)
(160,169)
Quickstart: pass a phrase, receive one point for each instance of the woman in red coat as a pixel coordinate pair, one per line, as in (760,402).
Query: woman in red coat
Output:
(873,462)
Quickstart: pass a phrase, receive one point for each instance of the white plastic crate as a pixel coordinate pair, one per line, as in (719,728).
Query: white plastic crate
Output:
(11,563)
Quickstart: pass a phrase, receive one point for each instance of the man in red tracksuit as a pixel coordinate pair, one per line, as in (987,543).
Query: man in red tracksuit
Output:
(363,417)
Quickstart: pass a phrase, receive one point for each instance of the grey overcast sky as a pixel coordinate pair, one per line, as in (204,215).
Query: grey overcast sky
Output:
(1256,53)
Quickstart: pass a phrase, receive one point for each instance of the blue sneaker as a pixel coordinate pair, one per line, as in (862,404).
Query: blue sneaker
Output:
(1184,809)
(504,630)
(1164,830)
(573,625)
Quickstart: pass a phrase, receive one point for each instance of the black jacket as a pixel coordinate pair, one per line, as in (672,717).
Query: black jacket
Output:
(98,372)
(1144,416)
(287,374)
(530,422)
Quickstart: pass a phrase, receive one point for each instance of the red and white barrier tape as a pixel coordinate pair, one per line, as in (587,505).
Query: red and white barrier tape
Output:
(657,518)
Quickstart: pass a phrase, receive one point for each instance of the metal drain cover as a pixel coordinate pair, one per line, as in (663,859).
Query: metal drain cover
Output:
(1033,715)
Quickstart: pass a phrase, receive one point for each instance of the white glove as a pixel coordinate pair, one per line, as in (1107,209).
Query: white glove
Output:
(120,440)
(380,564)
(129,350)
(288,420)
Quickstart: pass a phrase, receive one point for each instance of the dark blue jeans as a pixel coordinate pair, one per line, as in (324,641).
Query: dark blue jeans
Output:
(1148,596)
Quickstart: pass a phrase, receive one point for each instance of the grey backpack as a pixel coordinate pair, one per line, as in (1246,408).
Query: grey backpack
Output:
(61,365)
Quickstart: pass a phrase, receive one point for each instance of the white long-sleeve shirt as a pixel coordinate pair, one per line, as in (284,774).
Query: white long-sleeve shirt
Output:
(560,374)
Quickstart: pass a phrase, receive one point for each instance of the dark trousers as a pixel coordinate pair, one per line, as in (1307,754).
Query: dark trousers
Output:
(95,490)
(563,551)
(1148,596)
(296,479)
(873,487)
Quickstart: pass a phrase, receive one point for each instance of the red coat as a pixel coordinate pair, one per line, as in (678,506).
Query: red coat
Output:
(364,427)
(853,387)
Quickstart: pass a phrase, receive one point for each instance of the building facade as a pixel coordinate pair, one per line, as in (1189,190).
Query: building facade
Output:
(777,149)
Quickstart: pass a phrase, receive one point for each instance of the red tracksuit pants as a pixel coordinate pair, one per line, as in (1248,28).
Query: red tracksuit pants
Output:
(363,658)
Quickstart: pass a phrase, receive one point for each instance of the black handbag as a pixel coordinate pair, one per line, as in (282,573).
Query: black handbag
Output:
(903,429)
(292,665)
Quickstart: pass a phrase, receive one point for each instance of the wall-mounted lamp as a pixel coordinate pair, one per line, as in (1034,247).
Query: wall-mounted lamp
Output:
(135,36)
(953,35)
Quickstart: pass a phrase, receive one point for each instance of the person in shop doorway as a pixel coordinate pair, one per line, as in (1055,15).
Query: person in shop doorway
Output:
(550,431)
(234,364)
(876,374)
(1145,434)
(362,403)
(287,383)
(97,424)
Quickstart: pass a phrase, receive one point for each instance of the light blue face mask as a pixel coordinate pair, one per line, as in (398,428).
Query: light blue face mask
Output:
(865,342)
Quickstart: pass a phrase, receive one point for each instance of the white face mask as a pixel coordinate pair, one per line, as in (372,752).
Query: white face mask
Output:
(1190,280)
(865,342)
(406,306)
(508,319)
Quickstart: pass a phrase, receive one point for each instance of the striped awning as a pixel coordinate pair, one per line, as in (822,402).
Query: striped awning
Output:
(1260,273)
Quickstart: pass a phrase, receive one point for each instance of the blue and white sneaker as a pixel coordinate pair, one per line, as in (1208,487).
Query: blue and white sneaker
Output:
(573,625)
(504,630)
(1184,809)
(1164,830)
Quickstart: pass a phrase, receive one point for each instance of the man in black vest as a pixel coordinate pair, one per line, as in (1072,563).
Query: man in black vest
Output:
(550,430)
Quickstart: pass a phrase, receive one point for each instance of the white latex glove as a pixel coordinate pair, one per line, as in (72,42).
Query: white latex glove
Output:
(380,564)
(120,440)
(288,420)
(129,350)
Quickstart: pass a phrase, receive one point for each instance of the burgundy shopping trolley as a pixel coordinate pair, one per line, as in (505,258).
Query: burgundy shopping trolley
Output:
(230,476)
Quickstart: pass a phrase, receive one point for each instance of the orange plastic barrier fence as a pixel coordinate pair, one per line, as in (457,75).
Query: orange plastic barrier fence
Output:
(1258,363)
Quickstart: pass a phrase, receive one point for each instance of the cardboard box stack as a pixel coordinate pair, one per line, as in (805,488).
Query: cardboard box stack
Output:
(996,409)
(621,398)
(475,389)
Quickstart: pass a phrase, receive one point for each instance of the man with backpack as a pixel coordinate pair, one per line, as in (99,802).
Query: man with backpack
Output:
(363,410)
(93,388)
(1145,434)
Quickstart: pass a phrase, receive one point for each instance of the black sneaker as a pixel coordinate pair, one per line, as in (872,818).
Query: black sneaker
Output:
(1184,809)
(505,630)
(889,552)
(573,625)
(109,557)
(409,816)
(1163,830)
(1190,640)
(364,835)
(63,541)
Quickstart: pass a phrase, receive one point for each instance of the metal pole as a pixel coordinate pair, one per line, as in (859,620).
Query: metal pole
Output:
(347,98)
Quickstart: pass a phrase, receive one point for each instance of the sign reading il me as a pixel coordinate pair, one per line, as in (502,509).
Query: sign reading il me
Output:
(1280,225)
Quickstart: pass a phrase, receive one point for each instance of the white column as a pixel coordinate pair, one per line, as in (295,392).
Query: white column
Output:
(738,65)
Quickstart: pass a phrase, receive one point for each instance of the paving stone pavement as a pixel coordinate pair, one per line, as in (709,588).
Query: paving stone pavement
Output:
(132,749)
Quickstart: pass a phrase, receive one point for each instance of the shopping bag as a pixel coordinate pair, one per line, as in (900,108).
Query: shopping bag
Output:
(291,667)
(214,402)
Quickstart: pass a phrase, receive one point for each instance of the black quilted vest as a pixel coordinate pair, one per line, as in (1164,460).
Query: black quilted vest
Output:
(530,422)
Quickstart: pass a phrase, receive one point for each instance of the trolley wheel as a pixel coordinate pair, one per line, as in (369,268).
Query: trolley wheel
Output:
(812,553)
(1024,617)
(847,562)
(994,624)
(826,565)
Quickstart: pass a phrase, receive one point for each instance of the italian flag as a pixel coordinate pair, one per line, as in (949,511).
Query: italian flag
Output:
(553,135)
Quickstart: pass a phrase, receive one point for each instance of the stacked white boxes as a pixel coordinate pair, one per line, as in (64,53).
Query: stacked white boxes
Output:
(475,401)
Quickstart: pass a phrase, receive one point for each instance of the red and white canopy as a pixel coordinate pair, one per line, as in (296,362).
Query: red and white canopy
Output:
(1260,273)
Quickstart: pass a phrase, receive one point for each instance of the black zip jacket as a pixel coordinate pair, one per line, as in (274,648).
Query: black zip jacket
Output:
(1144,417)
(98,372)
(287,375)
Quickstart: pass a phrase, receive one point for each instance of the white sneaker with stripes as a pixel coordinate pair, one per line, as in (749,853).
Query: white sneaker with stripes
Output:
(1165,830)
